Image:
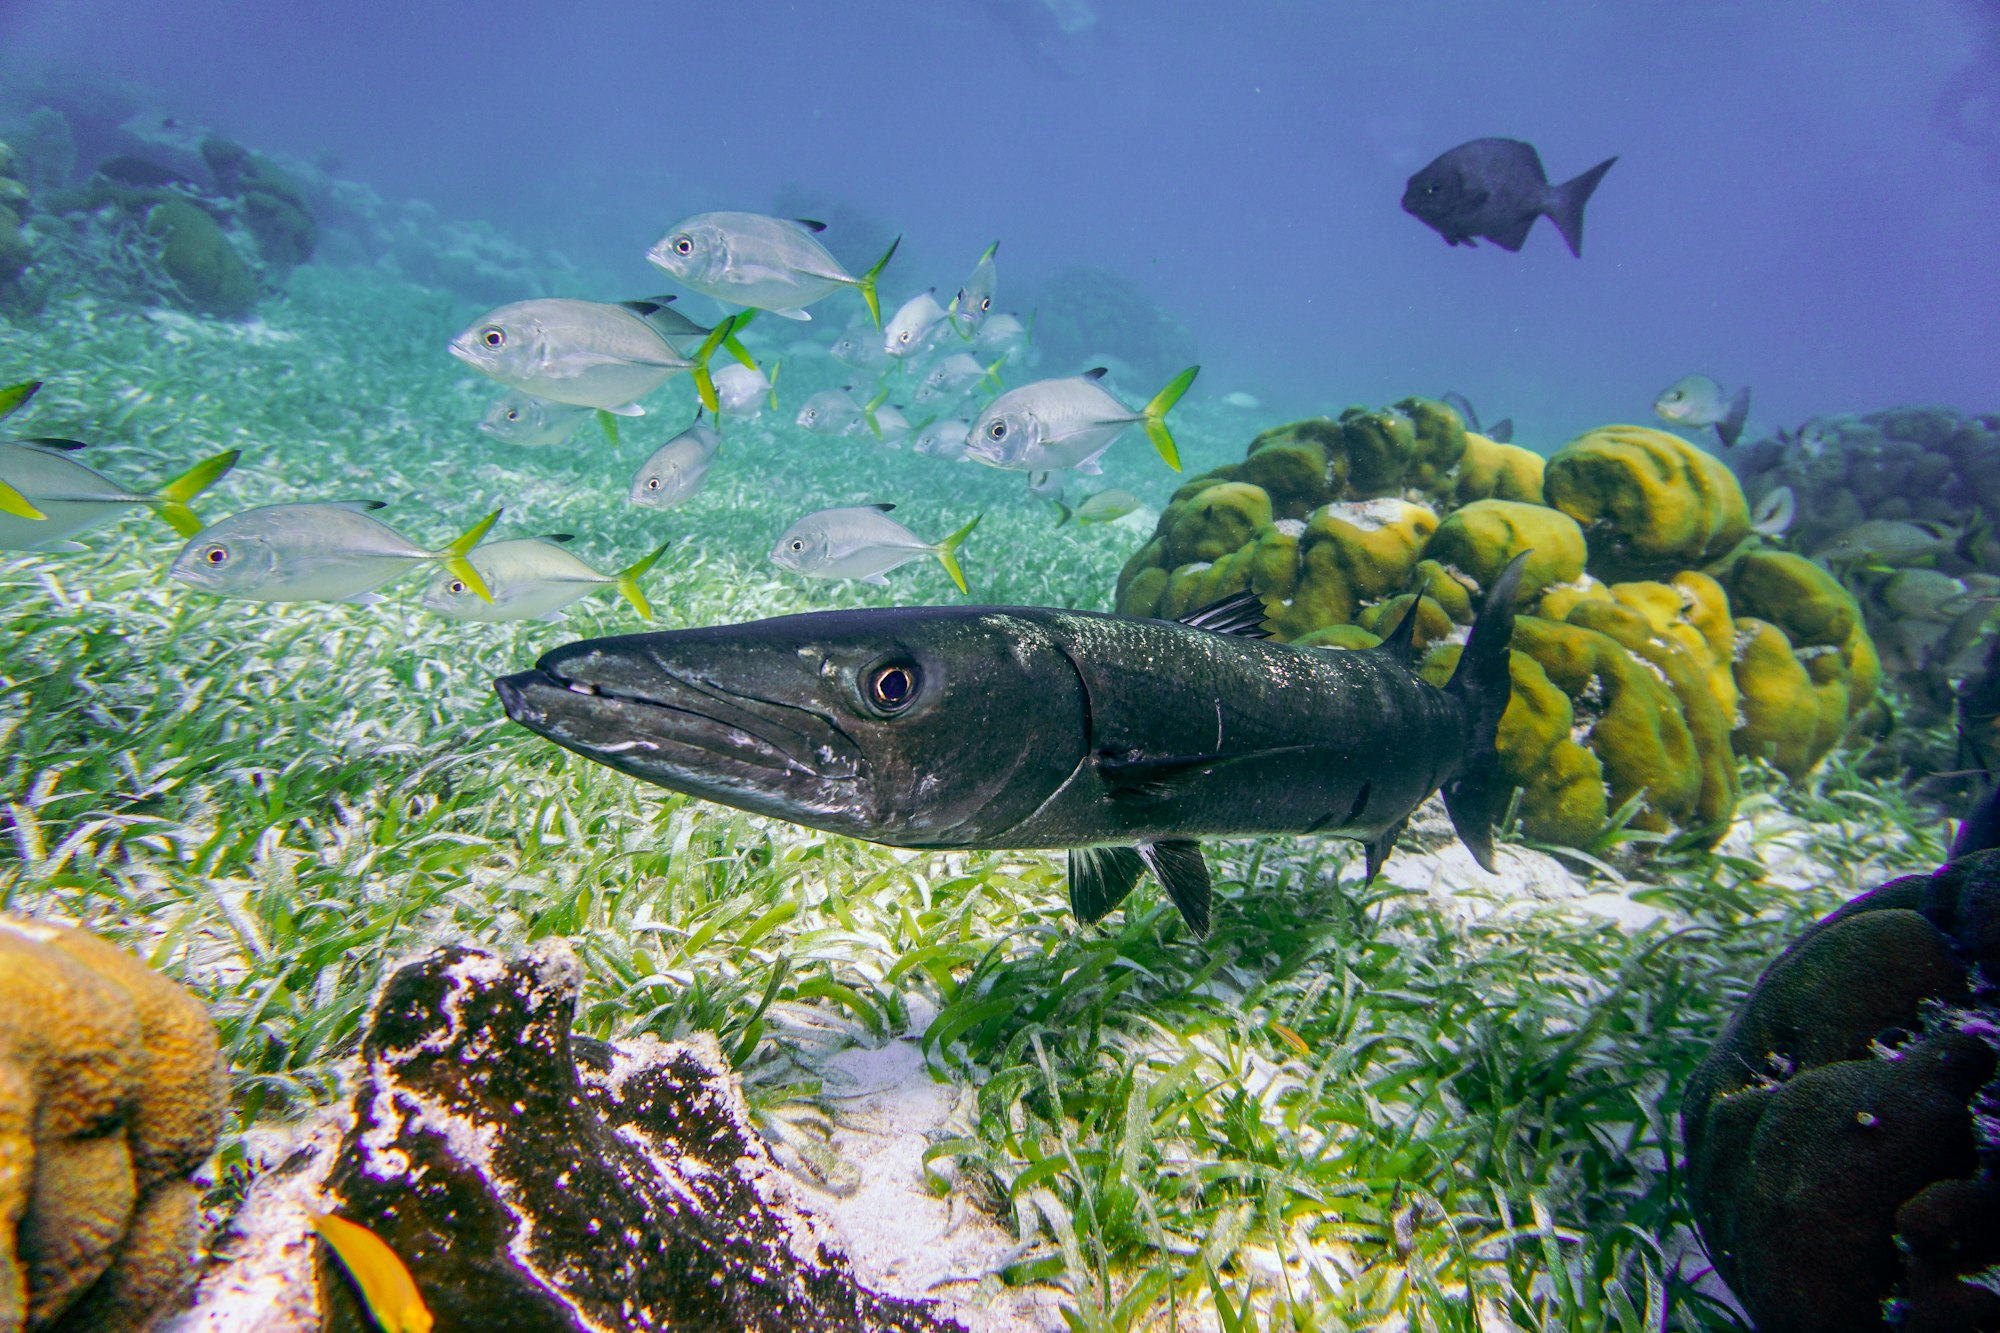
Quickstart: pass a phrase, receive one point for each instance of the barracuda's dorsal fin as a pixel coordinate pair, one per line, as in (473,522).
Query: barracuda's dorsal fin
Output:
(1241,614)
(1183,872)
(1099,879)
(1400,645)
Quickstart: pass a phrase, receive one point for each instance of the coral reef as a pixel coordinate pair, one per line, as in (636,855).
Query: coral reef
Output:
(19,291)
(1836,1159)
(198,257)
(532,1179)
(111,1095)
(1658,640)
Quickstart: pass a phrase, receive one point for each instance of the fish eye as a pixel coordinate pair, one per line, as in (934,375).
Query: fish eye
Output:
(892,687)
(986,303)
(812,414)
(903,337)
(493,336)
(683,245)
(216,555)
(997,431)
(652,483)
(455,587)
(513,414)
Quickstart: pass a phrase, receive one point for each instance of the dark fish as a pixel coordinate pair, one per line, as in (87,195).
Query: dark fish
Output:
(1500,432)
(1496,188)
(1123,740)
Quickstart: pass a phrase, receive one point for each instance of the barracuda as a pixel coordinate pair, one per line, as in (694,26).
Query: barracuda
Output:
(1121,740)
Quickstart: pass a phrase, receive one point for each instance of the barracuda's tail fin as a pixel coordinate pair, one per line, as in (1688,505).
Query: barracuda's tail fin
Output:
(1476,794)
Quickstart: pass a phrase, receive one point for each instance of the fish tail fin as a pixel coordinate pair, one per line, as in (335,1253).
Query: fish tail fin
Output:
(1063,513)
(735,348)
(866,282)
(17,504)
(704,383)
(609,421)
(461,568)
(172,498)
(868,410)
(1475,795)
(1155,416)
(15,396)
(990,377)
(627,580)
(1730,428)
(1028,329)
(947,553)
(776,366)
(1566,201)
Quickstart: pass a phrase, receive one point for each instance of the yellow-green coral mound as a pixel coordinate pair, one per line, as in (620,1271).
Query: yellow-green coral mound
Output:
(1650,503)
(1657,644)
(110,1097)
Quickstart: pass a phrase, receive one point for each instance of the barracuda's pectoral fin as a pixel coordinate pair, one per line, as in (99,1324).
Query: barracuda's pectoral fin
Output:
(1099,879)
(1379,848)
(1241,614)
(1183,872)
(1161,778)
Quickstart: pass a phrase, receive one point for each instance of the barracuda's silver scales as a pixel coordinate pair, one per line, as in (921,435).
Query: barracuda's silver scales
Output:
(1119,738)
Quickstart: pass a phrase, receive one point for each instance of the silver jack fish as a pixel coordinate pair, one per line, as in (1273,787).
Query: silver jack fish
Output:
(533,578)
(767,263)
(327,551)
(1695,401)
(861,542)
(1069,423)
(522,418)
(63,497)
(974,301)
(590,353)
(1124,741)
(677,469)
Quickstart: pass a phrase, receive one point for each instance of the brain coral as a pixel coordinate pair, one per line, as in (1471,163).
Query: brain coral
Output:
(111,1095)
(1674,642)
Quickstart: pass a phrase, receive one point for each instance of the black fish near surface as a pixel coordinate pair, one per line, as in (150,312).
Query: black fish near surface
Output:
(1123,740)
(1495,189)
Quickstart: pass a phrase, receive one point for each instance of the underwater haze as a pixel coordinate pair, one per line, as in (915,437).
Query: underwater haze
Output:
(1806,196)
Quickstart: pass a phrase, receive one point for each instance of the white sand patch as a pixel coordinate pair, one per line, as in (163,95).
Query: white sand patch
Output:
(900,1237)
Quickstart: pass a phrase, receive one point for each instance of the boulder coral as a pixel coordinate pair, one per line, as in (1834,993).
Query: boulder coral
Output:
(111,1095)
(1836,1163)
(197,255)
(1676,643)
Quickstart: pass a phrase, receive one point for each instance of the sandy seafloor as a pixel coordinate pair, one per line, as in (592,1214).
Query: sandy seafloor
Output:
(343,390)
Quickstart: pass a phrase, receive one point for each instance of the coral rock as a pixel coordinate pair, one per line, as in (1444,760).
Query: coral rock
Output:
(201,261)
(111,1095)
(1650,503)
(534,1180)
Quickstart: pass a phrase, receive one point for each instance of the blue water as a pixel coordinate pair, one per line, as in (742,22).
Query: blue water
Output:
(1807,198)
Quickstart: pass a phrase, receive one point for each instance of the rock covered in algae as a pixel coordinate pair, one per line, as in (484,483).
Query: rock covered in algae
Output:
(1677,643)
(1649,503)
(1841,1155)
(198,257)
(534,1180)
(111,1095)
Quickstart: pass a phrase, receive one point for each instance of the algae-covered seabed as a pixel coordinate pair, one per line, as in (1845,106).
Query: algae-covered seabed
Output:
(1343,1102)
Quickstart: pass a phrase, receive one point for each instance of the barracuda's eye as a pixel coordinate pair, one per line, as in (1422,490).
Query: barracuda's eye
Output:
(892,687)
(493,337)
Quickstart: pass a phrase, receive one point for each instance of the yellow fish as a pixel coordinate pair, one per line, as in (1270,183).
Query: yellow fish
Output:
(386,1287)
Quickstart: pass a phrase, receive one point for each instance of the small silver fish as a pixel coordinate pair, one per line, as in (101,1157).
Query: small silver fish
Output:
(942,439)
(1500,432)
(677,469)
(1925,594)
(887,423)
(914,327)
(831,412)
(72,498)
(861,542)
(532,578)
(1695,401)
(1774,513)
(1890,542)
(767,263)
(954,377)
(521,418)
(587,353)
(743,391)
(974,301)
(328,551)
(861,349)
(1103,507)
(1002,335)
(1068,423)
